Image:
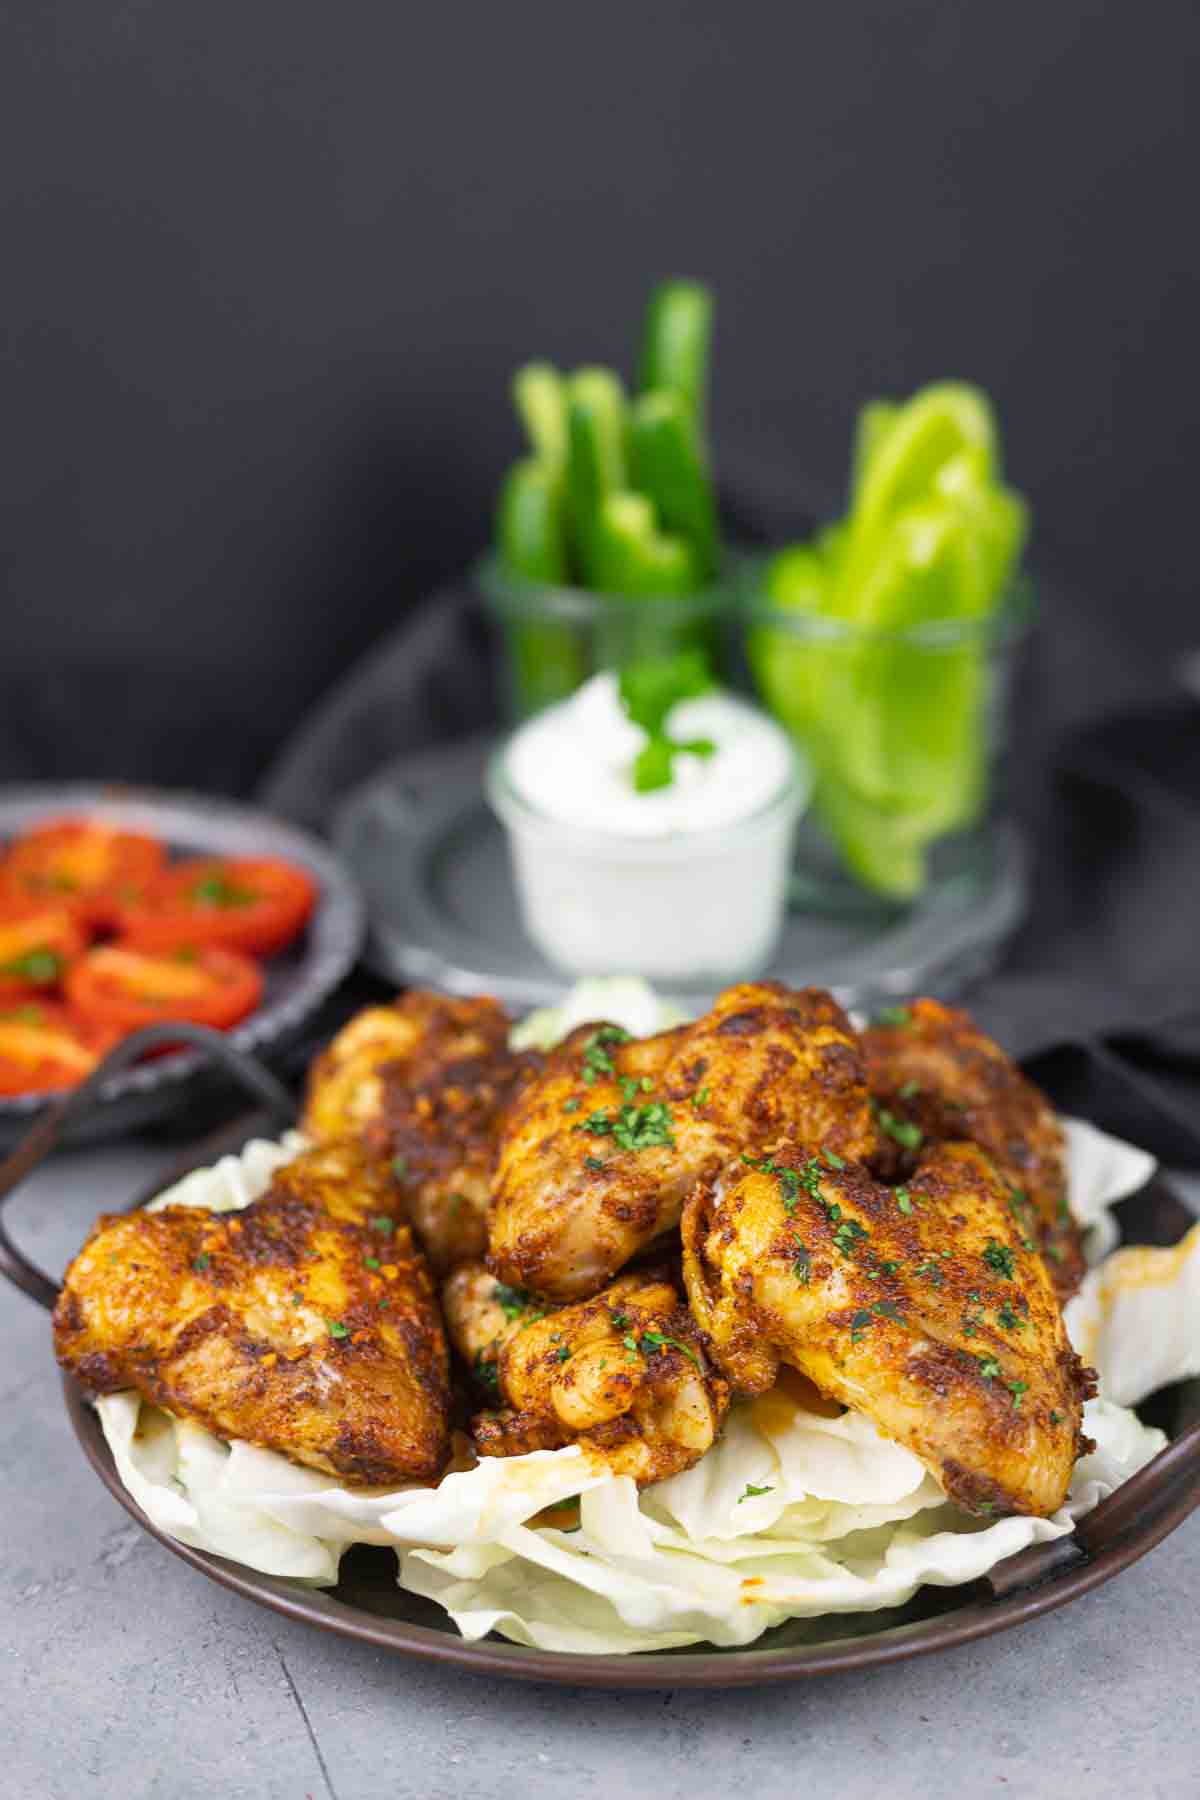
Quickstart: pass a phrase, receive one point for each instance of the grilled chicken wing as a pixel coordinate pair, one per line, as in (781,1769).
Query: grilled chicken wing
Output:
(931,1067)
(624,1375)
(601,1149)
(425,1082)
(918,1306)
(282,1324)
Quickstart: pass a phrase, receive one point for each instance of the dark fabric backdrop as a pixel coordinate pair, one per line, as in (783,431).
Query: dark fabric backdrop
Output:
(267,266)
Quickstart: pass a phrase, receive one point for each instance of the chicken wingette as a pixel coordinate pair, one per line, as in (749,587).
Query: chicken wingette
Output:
(624,1375)
(601,1148)
(424,1083)
(937,1078)
(921,1306)
(284,1325)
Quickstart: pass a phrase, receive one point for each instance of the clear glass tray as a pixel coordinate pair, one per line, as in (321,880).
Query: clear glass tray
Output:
(433,864)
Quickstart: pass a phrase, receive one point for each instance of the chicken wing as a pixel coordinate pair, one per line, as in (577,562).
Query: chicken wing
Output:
(282,1324)
(424,1083)
(602,1147)
(625,1374)
(919,1306)
(937,1077)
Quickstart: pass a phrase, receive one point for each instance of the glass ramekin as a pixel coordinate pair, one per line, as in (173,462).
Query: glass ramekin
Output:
(906,732)
(692,907)
(553,639)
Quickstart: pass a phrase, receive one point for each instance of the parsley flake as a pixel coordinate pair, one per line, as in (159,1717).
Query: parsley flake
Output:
(905,1133)
(899,1016)
(201,1262)
(858,1325)
(337,1329)
(382,1223)
(512,1301)
(999,1257)
(989,1368)
(904,1200)
(596,1060)
(753,1492)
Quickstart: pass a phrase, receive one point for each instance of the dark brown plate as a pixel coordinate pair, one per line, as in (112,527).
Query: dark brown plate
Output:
(297,981)
(366,1604)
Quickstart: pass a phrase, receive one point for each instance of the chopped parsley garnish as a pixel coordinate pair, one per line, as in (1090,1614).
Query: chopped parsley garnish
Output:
(753,1492)
(649,689)
(1057,1252)
(905,1133)
(1017,1389)
(654,1340)
(910,1090)
(382,1223)
(1010,1320)
(858,1325)
(217,890)
(512,1301)
(999,1257)
(42,967)
(1055,1418)
(904,1200)
(833,1159)
(572,1105)
(593,1162)
(933,1271)
(399,1167)
(989,1368)
(201,1262)
(792,1180)
(372,1262)
(596,1060)
(337,1329)
(487,1375)
(700,1099)
(802,1266)
(848,1236)
(562,1354)
(620,1320)
(887,1309)
(900,1016)
(633,1127)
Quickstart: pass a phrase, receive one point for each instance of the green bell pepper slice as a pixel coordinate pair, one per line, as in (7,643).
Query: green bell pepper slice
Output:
(675,345)
(669,469)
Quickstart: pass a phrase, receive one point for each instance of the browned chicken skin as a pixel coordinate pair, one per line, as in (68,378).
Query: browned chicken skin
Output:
(282,1325)
(602,1147)
(918,1306)
(425,1083)
(624,1375)
(931,1067)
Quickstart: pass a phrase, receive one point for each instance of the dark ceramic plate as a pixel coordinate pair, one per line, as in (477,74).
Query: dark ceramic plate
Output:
(296,981)
(366,1604)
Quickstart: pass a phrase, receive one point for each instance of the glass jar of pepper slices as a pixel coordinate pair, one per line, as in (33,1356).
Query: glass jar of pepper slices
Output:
(607,547)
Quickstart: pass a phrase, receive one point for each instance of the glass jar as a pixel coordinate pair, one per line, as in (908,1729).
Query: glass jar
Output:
(694,907)
(905,731)
(552,639)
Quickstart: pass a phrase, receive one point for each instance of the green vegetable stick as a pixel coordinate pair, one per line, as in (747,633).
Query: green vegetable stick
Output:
(675,345)
(546,659)
(668,467)
(539,396)
(875,420)
(596,465)
(635,558)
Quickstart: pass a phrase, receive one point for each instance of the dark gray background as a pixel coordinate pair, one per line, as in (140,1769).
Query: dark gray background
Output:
(268,263)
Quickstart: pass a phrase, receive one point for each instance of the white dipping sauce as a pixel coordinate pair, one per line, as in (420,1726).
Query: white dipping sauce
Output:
(684,882)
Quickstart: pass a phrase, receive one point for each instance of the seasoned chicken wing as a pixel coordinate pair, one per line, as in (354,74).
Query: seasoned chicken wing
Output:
(936,1076)
(602,1147)
(919,1306)
(282,1325)
(425,1082)
(625,1374)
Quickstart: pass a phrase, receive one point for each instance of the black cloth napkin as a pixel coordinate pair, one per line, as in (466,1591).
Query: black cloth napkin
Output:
(1100,992)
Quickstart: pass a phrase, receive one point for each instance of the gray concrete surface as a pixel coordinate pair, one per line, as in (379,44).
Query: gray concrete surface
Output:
(125,1673)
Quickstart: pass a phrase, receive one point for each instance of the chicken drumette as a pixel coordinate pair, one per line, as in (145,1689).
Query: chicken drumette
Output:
(289,1324)
(921,1306)
(602,1147)
(938,1078)
(425,1083)
(625,1374)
